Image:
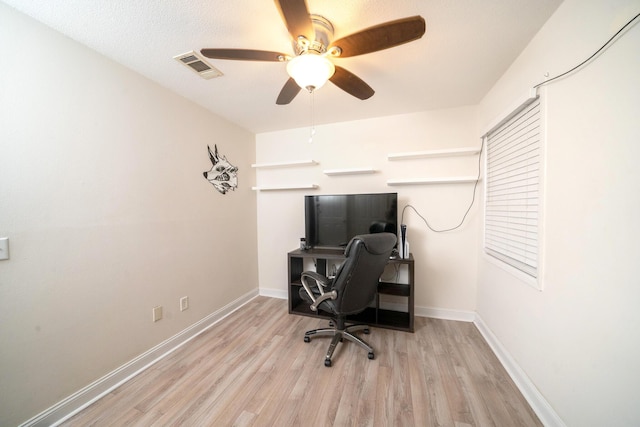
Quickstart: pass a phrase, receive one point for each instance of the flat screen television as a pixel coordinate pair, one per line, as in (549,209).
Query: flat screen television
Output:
(331,221)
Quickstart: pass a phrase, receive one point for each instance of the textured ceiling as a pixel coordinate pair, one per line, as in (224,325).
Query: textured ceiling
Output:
(467,47)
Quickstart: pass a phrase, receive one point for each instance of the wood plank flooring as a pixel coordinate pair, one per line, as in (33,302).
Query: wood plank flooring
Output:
(254,369)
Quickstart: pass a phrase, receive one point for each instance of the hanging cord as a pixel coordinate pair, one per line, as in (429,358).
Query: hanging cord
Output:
(312,130)
(473,198)
(604,46)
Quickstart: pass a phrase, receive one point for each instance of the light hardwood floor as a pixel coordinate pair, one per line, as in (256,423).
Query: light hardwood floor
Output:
(254,369)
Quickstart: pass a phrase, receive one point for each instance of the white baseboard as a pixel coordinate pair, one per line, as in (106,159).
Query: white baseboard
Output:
(538,403)
(436,313)
(81,399)
(445,314)
(274,293)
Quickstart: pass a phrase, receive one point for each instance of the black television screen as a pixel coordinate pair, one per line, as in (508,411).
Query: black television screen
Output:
(332,220)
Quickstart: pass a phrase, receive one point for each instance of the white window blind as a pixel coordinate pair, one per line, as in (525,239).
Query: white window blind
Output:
(512,189)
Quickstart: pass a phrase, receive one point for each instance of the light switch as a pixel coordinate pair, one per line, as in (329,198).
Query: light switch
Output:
(4,248)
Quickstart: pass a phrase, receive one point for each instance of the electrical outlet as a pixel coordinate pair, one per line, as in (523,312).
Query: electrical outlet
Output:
(184,303)
(4,248)
(157,313)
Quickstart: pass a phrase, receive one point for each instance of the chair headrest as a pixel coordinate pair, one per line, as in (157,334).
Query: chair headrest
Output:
(377,243)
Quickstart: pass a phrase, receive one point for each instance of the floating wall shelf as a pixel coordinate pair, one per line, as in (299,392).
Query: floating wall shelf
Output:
(428,181)
(284,164)
(334,172)
(284,188)
(467,151)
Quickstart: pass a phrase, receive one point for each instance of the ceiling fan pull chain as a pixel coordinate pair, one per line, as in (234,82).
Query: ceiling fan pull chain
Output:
(313,126)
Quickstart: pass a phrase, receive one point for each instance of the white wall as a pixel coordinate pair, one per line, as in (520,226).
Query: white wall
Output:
(445,263)
(577,340)
(108,215)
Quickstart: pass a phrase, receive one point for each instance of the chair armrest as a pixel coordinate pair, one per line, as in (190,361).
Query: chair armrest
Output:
(320,280)
(321,283)
(317,301)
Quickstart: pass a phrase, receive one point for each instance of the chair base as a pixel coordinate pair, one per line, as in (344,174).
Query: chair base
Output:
(337,336)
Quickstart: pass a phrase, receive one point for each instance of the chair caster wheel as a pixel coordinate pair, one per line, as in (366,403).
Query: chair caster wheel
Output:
(307,339)
(327,363)
(371,356)
(366,331)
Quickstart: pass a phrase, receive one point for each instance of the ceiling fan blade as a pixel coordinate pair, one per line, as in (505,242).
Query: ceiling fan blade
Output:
(243,54)
(382,36)
(296,18)
(351,84)
(288,92)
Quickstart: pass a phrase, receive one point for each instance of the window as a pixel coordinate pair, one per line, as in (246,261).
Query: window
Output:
(512,188)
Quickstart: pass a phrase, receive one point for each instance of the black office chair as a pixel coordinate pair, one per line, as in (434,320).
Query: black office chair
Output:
(351,290)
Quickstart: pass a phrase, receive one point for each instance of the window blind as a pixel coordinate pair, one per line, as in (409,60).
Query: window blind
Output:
(512,189)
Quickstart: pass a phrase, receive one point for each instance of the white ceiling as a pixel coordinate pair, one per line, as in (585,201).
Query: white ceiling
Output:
(467,47)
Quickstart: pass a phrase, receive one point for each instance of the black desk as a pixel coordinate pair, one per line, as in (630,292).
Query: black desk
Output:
(373,316)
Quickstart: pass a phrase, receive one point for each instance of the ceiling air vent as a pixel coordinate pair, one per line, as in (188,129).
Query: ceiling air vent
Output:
(197,63)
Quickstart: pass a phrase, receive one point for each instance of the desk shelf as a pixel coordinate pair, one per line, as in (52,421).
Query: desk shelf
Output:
(373,316)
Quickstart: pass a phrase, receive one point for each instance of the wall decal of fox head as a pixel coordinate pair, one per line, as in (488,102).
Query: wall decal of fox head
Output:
(223,175)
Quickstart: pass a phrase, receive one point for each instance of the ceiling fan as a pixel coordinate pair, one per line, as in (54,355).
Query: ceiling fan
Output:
(311,66)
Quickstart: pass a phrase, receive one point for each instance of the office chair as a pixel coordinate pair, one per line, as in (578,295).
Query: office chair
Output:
(350,291)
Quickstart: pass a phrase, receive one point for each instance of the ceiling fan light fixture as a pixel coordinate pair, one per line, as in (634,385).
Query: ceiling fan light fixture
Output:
(310,71)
